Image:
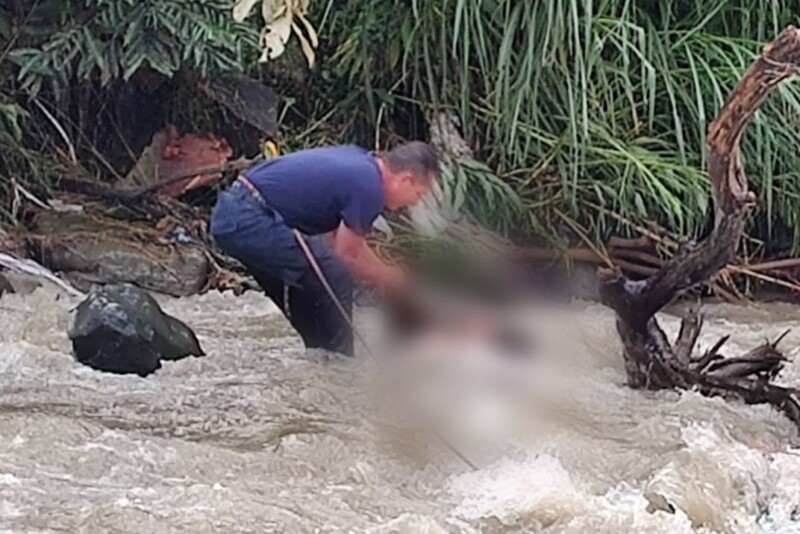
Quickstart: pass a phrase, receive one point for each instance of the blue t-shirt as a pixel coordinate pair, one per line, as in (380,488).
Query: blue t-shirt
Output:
(315,190)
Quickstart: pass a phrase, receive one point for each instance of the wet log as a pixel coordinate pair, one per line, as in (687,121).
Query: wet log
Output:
(651,361)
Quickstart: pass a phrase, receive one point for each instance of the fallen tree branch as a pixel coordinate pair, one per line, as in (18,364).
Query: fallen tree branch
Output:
(33,268)
(235,165)
(774,265)
(585,255)
(642,262)
(650,360)
(96,190)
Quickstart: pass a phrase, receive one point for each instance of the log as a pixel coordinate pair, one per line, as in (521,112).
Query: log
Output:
(651,361)
(96,190)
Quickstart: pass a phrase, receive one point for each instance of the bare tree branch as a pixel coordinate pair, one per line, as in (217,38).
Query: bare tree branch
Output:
(650,361)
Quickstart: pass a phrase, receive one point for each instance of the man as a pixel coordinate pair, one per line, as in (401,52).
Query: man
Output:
(340,190)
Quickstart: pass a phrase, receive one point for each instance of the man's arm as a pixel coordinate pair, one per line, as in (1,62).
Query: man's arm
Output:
(362,261)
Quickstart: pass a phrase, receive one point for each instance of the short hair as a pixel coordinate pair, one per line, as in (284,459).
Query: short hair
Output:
(416,157)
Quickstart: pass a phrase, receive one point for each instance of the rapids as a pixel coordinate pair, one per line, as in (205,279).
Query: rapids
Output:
(260,437)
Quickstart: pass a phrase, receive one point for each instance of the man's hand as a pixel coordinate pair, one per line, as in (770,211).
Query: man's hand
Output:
(364,263)
(393,279)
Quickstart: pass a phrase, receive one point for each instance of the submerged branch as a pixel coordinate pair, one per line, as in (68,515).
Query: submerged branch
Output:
(650,360)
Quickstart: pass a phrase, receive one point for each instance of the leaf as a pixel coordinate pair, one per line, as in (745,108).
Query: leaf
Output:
(702,202)
(312,33)
(639,203)
(276,34)
(134,29)
(271,9)
(308,50)
(5,24)
(265,55)
(242,9)
(91,45)
(133,66)
(12,115)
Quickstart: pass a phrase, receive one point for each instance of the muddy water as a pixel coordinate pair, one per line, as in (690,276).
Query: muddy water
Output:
(260,437)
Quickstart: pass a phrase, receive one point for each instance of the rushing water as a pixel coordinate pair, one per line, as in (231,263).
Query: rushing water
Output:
(259,437)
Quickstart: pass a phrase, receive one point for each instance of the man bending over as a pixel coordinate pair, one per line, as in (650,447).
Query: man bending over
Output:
(340,190)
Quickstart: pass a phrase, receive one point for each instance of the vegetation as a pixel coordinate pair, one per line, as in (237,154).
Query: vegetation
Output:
(589,115)
(106,40)
(591,110)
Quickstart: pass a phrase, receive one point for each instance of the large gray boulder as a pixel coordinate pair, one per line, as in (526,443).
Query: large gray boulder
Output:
(120,328)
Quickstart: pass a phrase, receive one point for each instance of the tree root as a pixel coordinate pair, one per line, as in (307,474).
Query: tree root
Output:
(651,361)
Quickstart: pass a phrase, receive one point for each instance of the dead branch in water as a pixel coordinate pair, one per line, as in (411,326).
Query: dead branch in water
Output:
(651,361)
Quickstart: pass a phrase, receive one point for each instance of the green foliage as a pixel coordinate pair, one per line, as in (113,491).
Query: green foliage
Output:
(586,114)
(5,24)
(585,108)
(16,161)
(617,96)
(472,187)
(112,39)
(282,18)
(10,122)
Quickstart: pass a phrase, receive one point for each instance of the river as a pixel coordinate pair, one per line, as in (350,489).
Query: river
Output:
(257,436)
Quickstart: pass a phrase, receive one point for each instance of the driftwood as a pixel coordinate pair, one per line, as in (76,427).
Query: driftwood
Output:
(97,190)
(651,361)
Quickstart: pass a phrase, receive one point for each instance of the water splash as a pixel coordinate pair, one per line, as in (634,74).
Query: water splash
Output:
(257,437)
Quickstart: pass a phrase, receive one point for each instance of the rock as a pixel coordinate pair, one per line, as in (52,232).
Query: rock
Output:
(120,328)
(248,99)
(91,251)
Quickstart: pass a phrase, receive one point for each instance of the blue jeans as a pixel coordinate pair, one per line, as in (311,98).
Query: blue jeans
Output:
(265,244)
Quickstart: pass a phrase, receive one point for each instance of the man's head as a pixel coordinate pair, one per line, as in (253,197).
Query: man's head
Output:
(409,173)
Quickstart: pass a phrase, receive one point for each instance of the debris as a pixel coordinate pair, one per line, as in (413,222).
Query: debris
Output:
(250,100)
(5,285)
(91,250)
(63,207)
(10,244)
(172,154)
(31,268)
(658,503)
(651,360)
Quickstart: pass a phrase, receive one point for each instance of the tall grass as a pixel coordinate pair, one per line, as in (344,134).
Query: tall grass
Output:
(593,111)
(21,164)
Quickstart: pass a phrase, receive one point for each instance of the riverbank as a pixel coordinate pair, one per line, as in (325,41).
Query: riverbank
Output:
(163,246)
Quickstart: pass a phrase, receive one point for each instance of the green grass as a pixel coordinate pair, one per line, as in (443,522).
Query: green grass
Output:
(583,114)
(577,104)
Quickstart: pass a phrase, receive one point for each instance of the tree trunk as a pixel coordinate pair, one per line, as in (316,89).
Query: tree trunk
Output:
(651,361)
